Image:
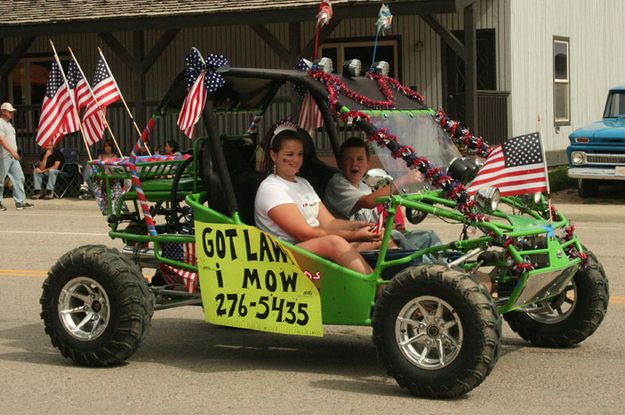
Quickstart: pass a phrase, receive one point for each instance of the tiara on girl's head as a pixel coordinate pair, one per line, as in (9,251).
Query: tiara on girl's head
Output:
(284,125)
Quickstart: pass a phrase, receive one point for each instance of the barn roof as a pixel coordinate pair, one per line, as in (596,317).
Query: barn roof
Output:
(48,17)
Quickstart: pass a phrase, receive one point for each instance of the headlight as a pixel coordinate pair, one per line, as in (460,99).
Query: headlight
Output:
(381,67)
(582,139)
(324,64)
(578,158)
(463,169)
(488,198)
(352,68)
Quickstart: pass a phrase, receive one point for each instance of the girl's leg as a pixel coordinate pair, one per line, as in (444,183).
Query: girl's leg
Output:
(338,250)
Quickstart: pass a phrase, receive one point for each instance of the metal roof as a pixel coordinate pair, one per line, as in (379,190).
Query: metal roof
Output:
(57,11)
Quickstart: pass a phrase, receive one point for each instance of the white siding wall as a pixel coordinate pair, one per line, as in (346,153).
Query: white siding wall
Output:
(596,60)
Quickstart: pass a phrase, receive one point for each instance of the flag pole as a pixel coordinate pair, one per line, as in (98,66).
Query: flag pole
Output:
(71,97)
(108,127)
(542,149)
(123,100)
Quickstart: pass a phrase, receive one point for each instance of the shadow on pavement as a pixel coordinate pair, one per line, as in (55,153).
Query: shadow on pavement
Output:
(193,345)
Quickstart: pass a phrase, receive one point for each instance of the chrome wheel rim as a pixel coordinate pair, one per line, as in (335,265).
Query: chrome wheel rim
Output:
(84,309)
(556,309)
(429,332)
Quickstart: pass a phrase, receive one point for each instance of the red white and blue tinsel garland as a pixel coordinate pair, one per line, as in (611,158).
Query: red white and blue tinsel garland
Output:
(461,136)
(438,177)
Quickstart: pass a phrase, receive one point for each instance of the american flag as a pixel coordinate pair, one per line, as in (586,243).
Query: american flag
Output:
(56,106)
(106,92)
(78,85)
(183,252)
(515,168)
(310,117)
(80,91)
(196,97)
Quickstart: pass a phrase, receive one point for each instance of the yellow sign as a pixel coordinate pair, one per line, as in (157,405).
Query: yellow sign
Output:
(250,280)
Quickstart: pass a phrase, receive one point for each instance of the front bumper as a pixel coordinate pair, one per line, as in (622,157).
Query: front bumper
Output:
(597,173)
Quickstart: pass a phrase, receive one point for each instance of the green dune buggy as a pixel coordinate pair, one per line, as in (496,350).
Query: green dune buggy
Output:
(436,327)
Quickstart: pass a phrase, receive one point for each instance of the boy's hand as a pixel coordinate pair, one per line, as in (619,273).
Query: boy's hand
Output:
(411,177)
(367,234)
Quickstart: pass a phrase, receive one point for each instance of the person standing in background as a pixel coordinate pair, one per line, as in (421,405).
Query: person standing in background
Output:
(9,159)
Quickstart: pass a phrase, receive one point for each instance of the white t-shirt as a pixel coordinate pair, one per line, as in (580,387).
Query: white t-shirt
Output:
(8,133)
(275,191)
(341,197)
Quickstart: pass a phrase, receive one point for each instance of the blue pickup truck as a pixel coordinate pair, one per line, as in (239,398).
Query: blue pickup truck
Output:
(597,151)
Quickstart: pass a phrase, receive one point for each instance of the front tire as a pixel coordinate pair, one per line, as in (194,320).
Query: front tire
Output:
(570,317)
(587,188)
(96,306)
(437,331)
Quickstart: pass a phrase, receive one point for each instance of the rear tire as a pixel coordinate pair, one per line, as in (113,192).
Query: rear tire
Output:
(437,331)
(96,306)
(570,317)
(587,188)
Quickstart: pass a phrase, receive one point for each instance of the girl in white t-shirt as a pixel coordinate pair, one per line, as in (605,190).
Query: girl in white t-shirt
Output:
(287,206)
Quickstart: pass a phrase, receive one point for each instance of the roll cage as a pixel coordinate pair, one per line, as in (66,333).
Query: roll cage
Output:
(252,90)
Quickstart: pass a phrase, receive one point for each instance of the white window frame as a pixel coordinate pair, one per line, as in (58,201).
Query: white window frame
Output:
(562,81)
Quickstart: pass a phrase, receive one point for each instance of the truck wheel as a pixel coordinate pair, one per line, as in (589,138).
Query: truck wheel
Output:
(587,188)
(437,331)
(96,306)
(569,317)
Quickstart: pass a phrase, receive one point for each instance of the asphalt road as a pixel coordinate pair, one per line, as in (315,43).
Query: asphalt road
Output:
(188,366)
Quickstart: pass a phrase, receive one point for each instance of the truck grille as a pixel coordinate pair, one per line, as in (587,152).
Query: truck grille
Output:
(610,159)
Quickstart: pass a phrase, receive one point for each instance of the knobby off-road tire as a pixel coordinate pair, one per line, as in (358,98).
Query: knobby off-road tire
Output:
(96,306)
(431,311)
(570,317)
